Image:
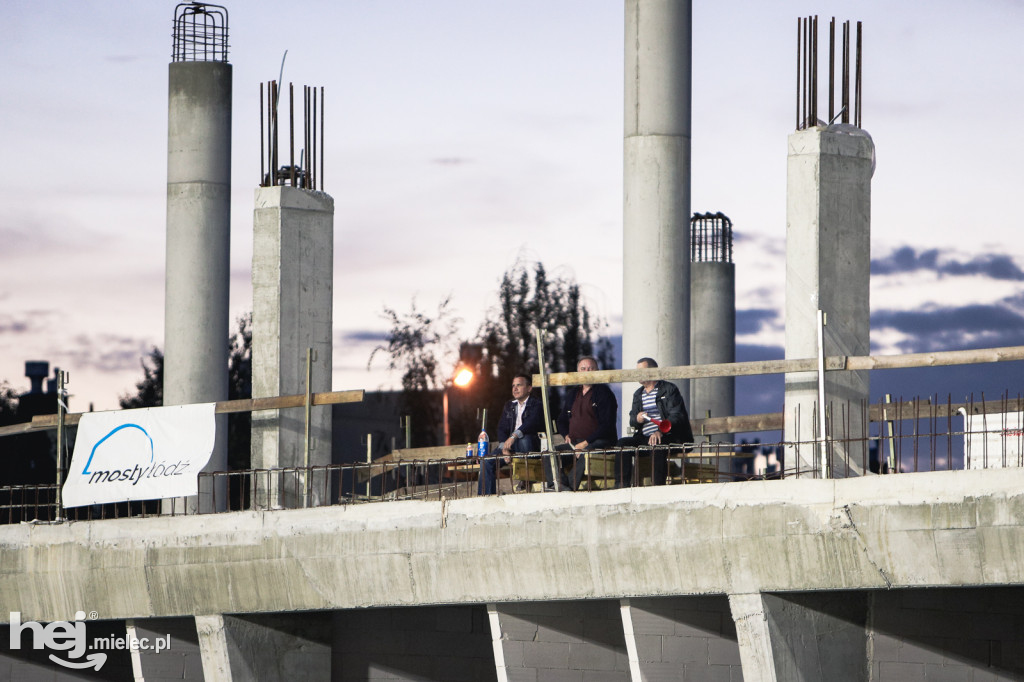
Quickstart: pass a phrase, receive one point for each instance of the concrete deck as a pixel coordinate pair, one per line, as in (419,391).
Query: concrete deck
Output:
(950,529)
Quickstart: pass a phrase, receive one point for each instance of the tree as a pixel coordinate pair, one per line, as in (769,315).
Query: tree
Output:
(423,347)
(8,404)
(529,300)
(240,388)
(417,343)
(150,389)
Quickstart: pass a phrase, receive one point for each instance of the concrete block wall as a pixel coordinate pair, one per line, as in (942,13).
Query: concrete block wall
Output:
(181,661)
(563,641)
(444,643)
(971,635)
(685,638)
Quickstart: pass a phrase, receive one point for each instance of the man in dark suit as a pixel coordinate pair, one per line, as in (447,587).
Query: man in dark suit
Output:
(587,423)
(521,419)
(653,403)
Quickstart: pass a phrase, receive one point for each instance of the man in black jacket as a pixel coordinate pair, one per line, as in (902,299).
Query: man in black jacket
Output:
(521,419)
(587,423)
(654,402)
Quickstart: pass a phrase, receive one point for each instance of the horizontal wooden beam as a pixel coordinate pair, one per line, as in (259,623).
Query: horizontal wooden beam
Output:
(44,422)
(832,363)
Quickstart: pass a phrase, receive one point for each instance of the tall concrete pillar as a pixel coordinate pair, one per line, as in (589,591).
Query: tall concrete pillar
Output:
(198,243)
(828,266)
(656,211)
(293,298)
(712,318)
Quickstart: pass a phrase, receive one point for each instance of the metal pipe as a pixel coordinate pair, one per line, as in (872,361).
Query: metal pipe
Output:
(309,416)
(61,411)
(832,69)
(814,75)
(798,29)
(821,394)
(261,135)
(553,458)
(857,93)
(321,176)
(291,131)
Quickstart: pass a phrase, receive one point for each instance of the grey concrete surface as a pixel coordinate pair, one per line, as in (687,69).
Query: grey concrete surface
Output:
(198,241)
(828,267)
(656,182)
(579,640)
(444,643)
(293,285)
(911,530)
(712,340)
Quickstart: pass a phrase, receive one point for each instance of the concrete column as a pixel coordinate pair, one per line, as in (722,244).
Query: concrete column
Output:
(828,266)
(656,208)
(564,640)
(294,647)
(802,636)
(753,637)
(198,243)
(292,281)
(713,340)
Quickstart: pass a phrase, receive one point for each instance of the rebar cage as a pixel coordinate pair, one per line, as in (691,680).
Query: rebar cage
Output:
(710,238)
(200,33)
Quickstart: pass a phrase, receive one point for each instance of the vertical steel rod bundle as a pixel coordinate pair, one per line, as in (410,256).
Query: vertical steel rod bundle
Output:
(807,74)
(304,172)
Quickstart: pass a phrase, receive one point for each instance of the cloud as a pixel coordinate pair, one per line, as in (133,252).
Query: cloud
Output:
(362,336)
(966,327)
(102,352)
(753,320)
(11,326)
(907,259)
(29,321)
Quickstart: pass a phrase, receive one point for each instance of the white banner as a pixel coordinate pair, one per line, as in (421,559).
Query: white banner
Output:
(146,454)
(994,440)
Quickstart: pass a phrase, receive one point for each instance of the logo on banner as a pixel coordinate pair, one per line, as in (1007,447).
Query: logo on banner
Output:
(140,454)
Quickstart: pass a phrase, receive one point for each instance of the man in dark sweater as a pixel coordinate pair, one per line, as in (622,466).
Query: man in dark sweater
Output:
(587,423)
(521,419)
(655,403)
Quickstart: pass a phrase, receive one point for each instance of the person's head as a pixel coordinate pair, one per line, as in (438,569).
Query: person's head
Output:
(588,363)
(521,386)
(647,363)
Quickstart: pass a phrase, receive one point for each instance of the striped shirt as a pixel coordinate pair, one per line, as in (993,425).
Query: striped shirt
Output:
(650,405)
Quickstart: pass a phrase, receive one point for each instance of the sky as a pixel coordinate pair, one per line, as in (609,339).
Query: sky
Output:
(463,135)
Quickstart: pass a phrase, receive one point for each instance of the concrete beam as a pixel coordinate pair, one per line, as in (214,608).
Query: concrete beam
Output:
(906,530)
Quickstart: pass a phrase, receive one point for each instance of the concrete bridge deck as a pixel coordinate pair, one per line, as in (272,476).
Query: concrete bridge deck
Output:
(790,574)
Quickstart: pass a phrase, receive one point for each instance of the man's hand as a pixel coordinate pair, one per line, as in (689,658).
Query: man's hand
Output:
(507,446)
(581,445)
(642,417)
(655,438)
